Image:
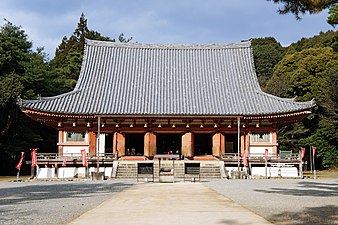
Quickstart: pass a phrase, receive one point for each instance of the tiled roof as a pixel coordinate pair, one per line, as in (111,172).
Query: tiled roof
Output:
(183,80)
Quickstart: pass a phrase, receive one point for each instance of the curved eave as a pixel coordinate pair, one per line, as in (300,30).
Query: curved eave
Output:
(91,116)
(282,115)
(57,115)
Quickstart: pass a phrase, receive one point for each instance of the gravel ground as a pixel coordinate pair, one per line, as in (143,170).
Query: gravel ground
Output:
(53,202)
(279,201)
(283,201)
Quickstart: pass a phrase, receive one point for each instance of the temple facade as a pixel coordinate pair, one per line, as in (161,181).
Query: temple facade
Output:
(138,101)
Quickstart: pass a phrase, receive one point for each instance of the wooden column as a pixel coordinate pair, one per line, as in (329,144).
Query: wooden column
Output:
(119,144)
(218,144)
(60,142)
(91,143)
(247,144)
(274,142)
(188,144)
(242,144)
(149,144)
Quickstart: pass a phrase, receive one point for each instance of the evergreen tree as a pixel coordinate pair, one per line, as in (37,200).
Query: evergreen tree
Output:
(310,74)
(298,7)
(22,73)
(267,53)
(68,56)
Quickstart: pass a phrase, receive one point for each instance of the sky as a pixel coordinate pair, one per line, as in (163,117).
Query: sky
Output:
(46,22)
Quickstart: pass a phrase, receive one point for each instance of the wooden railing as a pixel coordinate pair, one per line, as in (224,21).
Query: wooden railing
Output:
(261,156)
(233,156)
(72,156)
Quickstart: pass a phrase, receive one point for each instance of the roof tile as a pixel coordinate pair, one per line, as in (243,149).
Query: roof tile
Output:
(141,79)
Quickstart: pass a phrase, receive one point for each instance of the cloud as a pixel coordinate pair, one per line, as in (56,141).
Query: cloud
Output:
(160,21)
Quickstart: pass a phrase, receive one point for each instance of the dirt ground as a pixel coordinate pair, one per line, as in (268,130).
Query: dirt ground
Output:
(322,174)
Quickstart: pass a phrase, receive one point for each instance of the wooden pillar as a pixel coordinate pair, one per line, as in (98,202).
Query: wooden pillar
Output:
(218,144)
(91,143)
(119,144)
(274,142)
(188,144)
(247,144)
(149,144)
(60,142)
(242,144)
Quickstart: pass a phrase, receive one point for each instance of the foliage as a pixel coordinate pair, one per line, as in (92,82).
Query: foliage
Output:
(307,74)
(22,73)
(333,15)
(324,39)
(267,53)
(29,74)
(68,56)
(14,49)
(298,7)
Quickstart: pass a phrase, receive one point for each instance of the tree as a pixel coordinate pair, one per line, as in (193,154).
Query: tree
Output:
(68,56)
(298,7)
(29,74)
(267,53)
(24,73)
(14,52)
(323,39)
(333,15)
(14,49)
(310,73)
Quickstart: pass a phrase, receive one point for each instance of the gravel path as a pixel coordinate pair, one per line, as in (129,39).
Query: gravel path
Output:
(53,202)
(279,201)
(285,201)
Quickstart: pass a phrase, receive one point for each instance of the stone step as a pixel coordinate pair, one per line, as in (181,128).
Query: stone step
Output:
(208,170)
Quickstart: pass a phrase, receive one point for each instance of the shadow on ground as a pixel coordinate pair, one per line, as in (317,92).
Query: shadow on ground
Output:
(327,214)
(310,215)
(312,189)
(37,192)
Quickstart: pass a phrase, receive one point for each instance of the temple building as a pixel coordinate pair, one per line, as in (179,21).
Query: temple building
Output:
(141,100)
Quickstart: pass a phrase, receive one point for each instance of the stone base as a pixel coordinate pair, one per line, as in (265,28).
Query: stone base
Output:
(166,179)
(97,175)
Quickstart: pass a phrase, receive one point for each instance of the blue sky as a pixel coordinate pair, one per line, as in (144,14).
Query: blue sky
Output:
(159,21)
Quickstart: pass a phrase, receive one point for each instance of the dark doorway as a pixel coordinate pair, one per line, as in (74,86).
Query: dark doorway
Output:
(108,145)
(134,144)
(203,144)
(231,142)
(168,143)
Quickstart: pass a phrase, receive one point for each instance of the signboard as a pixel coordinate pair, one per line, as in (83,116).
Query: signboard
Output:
(192,168)
(145,168)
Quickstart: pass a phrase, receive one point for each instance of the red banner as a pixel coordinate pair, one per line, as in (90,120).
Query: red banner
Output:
(33,155)
(266,153)
(314,151)
(84,157)
(20,162)
(303,153)
(64,163)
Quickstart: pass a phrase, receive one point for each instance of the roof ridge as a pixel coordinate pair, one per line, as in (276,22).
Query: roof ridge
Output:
(244,44)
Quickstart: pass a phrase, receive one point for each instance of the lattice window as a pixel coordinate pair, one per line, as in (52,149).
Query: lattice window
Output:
(261,137)
(76,136)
